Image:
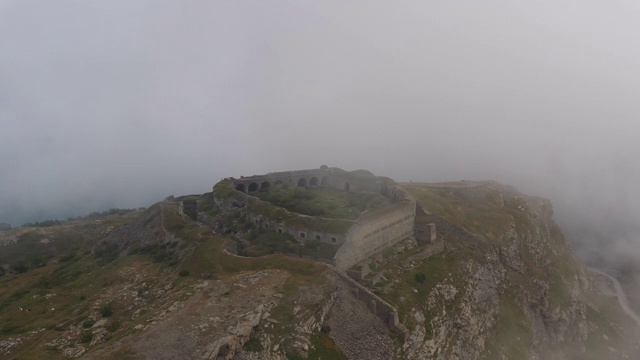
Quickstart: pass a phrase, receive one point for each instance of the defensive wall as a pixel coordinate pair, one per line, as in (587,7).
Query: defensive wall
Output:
(357,240)
(378,306)
(375,232)
(355,181)
(266,216)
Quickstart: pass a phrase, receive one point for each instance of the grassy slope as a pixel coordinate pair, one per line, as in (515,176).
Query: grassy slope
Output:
(80,282)
(323,201)
(224,190)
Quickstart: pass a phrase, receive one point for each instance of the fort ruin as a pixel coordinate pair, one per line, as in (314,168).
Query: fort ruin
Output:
(371,233)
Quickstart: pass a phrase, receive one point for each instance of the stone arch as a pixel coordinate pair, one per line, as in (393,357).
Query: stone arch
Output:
(278,182)
(253,187)
(347,186)
(302,182)
(324,181)
(241,187)
(313,181)
(265,185)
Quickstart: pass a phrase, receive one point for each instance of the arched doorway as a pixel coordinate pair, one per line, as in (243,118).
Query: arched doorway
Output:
(313,181)
(302,182)
(253,187)
(278,182)
(241,187)
(324,181)
(265,185)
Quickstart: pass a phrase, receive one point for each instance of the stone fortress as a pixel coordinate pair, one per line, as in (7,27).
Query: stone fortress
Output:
(371,233)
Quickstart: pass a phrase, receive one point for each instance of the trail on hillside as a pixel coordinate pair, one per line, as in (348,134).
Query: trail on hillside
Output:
(620,294)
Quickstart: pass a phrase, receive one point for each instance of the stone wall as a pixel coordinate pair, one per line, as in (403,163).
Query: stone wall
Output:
(300,234)
(304,178)
(189,207)
(425,233)
(376,232)
(359,181)
(378,306)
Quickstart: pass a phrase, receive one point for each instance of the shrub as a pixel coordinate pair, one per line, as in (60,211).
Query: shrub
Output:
(86,336)
(106,310)
(88,323)
(20,267)
(106,252)
(253,345)
(420,278)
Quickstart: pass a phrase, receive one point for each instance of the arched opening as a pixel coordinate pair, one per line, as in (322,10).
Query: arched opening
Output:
(253,187)
(265,185)
(241,187)
(278,182)
(313,181)
(347,187)
(302,182)
(324,181)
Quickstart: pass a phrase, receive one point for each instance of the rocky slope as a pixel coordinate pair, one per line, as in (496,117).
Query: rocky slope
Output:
(515,290)
(156,285)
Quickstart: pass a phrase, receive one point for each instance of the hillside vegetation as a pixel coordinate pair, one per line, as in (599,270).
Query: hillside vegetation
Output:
(154,284)
(323,201)
(111,279)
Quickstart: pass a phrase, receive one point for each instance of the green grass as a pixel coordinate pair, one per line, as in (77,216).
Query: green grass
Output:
(435,270)
(72,283)
(208,257)
(271,242)
(512,333)
(79,279)
(37,246)
(207,206)
(325,348)
(476,215)
(323,201)
(224,190)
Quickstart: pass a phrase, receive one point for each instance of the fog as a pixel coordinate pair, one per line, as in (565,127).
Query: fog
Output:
(122,103)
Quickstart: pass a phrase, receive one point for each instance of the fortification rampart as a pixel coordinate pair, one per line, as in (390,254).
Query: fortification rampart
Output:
(382,309)
(305,178)
(300,233)
(264,215)
(358,181)
(376,232)
(357,240)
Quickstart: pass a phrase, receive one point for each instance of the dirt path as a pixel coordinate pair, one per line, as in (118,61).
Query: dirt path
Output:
(619,293)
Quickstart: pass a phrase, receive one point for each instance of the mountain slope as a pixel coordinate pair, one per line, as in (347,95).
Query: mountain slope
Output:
(154,284)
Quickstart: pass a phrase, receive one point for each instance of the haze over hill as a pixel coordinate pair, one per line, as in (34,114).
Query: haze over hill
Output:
(484,274)
(119,104)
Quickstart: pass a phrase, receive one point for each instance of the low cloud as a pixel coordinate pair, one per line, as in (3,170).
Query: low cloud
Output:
(119,104)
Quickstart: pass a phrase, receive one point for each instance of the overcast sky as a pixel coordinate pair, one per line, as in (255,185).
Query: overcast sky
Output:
(121,103)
